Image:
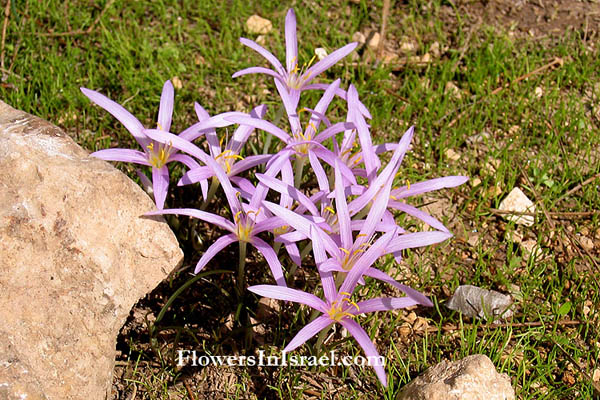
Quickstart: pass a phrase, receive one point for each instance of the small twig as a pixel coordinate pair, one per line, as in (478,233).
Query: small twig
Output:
(81,31)
(384,17)
(595,385)
(452,328)
(576,188)
(555,215)
(554,62)
(6,15)
(188,389)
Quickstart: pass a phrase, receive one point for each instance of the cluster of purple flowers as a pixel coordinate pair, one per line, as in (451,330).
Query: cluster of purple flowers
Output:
(348,221)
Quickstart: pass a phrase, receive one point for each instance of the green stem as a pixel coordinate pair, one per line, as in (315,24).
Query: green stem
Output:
(242,268)
(321,338)
(214,185)
(298,168)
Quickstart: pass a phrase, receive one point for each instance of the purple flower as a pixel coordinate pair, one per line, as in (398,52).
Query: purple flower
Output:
(338,306)
(155,154)
(294,78)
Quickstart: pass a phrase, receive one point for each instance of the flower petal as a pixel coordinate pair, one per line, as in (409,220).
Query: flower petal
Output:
(417,239)
(288,294)
(160,185)
(418,297)
(165,111)
(202,215)
(272,259)
(291,41)
(214,248)
(133,125)
(415,212)
(429,186)
(265,53)
(289,190)
(367,345)
(327,62)
(383,304)
(123,155)
(310,330)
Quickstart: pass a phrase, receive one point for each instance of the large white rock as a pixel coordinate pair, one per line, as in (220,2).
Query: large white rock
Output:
(472,378)
(75,257)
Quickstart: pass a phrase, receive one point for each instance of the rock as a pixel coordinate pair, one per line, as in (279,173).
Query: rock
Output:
(531,249)
(407,46)
(475,182)
(452,90)
(516,201)
(321,53)
(76,256)
(374,40)
(359,37)
(474,301)
(539,92)
(479,138)
(177,84)
(258,25)
(452,155)
(472,378)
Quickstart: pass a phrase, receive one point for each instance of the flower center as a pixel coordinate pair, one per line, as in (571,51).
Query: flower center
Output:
(245,225)
(297,76)
(340,309)
(158,154)
(227,159)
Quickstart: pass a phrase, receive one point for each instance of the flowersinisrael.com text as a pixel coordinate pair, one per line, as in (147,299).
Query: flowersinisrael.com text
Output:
(195,359)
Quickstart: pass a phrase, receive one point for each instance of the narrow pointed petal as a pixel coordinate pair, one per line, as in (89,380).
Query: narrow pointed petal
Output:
(288,294)
(333,130)
(196,175)
(327,156)
(290,104)
(341,93)
(160,185)
(242,133)
(261,124)
(259,70)
(308,332)
(415,295)
(384,304)
(319,172)
(123,155)
(417,239)
(429,186)
(249,162)
(184,159)
(201,215)
(367,345)
(365,261)
(318,116)
(371,160)
(301,224)
(291,41)
(165,111)
(328,61)
(323,104)
(345,228)
(269,254)
(133,125)
(415,212)
(214,249)
(294,253)
(265,53)
(289,190)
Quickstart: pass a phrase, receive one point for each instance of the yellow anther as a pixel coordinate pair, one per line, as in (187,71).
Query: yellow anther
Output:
(150,146)
(361,234)
(159,127)
(358,160)
(407,184)
(236,217)
(345,251)
(330,209)
(393,198)
(346,294)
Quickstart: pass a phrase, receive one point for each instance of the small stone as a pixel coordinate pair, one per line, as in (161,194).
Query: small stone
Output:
(452,155)
(435,49)
(259,25)
(452,90)
(515,236)
(596,375)
(516,201)
(176,82)
(492,165)
(474,378)
(475,182)
(473,240)
(407,47)
(513,130)
(531,248)
(321,53)
(267,307)
(261,39)
(539,92)
(425,58)
(587,308)
(359,37)
(374,40)
(474,301)
(586,243)
(479,138)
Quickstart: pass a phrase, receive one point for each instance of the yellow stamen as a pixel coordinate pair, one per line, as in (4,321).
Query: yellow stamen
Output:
(330,209)
(407,184)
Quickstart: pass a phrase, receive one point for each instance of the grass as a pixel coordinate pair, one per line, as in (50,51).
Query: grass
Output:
(542,136)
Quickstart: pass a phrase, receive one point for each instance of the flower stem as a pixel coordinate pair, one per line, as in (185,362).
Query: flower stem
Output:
(242,268)
(321,339)
(214,185)
(298,168)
